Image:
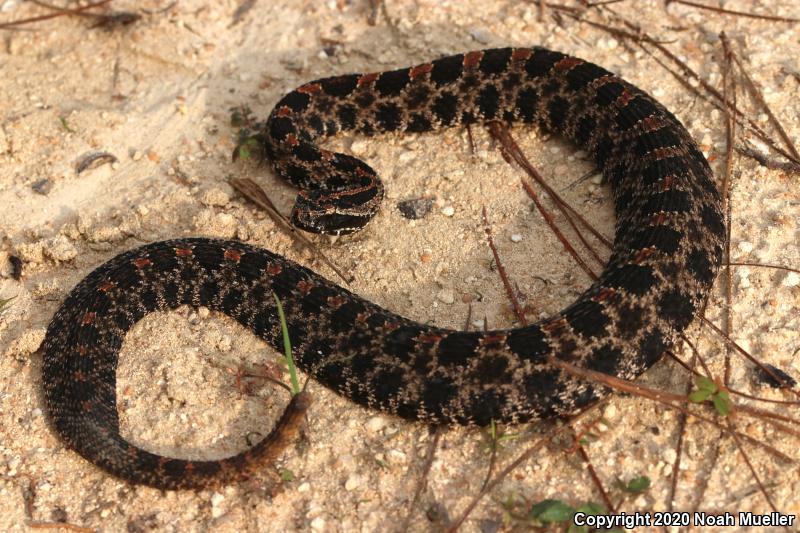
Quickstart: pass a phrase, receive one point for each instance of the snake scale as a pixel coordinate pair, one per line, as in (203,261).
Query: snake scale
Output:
(667,249)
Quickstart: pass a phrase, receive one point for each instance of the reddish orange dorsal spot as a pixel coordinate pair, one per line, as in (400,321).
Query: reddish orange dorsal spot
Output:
(366,79)
(420,70)
(624,98)
(554,325)
(651,123)
(283,111)
(291,139)
(82,350)
(567,63)
(142,262)
(274,269)
(86,405)
(471,59)
(88,318)
(642,255)
(667,182)
(390,326)
(662,153)
(233,255)
(429,338)
(521,54)
(310,88)
(107,286)
(490,339)
(304,286)
(361,318)
(604,294)
(335,301)
(183,252)
(189,467)
(658,219)
(78,376)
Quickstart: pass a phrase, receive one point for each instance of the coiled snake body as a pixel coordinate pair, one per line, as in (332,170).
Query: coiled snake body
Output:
(667,248)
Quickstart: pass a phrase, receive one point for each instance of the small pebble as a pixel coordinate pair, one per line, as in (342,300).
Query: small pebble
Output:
(359,147)
(352,483)
(304,487)
(785,379)
(670,455)
(516,237)
(42,186)
(448,211)
(792,279)
(376,423)
(415,208)
(481,35)
(60,249)
(745,247)
(216,500)
(446,296)
(406,157)
(318,524)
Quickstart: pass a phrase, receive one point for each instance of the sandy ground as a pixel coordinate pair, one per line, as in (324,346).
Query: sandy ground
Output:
(157,95)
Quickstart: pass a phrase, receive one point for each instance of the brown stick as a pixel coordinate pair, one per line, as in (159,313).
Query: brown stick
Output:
(256,194)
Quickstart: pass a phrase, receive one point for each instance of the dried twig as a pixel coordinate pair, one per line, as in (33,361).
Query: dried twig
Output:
(436,432)
(256,194)
(729,94)
(732,12)
(59,12)
(502,271)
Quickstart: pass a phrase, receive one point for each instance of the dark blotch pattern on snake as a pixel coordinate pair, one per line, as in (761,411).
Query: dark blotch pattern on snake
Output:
(667,248)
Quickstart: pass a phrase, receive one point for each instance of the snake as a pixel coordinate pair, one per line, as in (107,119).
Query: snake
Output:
(667,248)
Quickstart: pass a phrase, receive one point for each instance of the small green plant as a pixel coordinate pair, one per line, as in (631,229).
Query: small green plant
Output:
(247,146)
(65,124)
(637,485)
(708,389)
(286,474)
(551,513)
(496,437)
(287,347)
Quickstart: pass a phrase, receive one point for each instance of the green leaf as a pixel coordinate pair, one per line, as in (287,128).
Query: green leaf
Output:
(700,395)
(638,484)
(244,151)
(722,403)
(592,508)
(549,511)
(65,124)
(703,383)
(286,474)
(287,346)
(5,302)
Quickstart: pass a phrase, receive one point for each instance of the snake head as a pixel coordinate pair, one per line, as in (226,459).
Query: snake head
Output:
(339,212)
